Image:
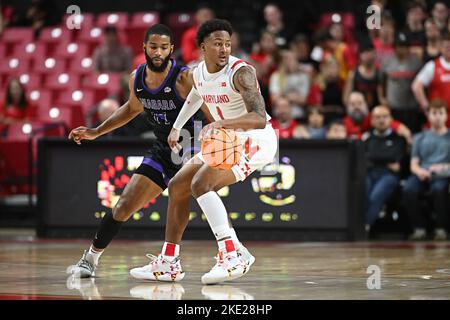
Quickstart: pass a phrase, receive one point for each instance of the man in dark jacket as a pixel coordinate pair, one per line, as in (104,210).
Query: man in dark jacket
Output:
(384,151)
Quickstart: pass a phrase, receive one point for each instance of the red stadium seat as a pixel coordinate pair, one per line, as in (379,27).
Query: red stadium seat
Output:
(3,50)
(13,66)
(117,19)
(140,22)
(68,117)
(71,50)
(94,37)
(30,80)
(84,98)
(55,35)
(17,34)
(48,65)
(84,20)
(29,50)
(40,97)
(81,66)
(144,19)
(104,84)
(60,83)
(178,22)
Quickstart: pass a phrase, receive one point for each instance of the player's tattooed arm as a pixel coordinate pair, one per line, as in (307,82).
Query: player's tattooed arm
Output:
(246,84)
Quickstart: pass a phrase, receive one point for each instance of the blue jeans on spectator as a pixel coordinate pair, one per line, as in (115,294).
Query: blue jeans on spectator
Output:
(380,186)
(439,194)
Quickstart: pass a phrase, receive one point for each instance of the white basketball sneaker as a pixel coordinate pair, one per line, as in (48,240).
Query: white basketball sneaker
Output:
(245,255)
(159,269)
(85,268)
(228,267)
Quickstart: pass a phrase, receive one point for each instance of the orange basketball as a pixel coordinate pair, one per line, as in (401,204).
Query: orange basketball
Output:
(222,149)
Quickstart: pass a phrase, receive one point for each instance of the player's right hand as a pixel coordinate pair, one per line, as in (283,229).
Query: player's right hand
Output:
(172,140)
(82,133)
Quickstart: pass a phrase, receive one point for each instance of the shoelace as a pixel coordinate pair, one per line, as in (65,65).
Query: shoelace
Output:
(83,263)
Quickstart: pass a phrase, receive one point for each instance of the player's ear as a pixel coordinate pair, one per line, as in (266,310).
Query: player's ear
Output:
(202,46)
(143,46)
(171,48)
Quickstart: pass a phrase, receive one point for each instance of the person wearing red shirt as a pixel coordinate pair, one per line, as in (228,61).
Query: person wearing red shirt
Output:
(189,50)
(283,122)
(15,107)
(358,119)
(436,76)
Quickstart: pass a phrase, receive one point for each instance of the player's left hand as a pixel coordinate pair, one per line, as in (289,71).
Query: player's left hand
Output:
(208,130)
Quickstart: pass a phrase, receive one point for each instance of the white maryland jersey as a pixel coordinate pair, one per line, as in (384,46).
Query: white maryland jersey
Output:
(218,92)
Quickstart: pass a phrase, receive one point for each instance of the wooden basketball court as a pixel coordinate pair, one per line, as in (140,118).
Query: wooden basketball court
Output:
(36,269)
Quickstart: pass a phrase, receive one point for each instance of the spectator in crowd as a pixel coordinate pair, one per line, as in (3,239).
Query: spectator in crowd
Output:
(331,88)
(365,77)
(414,29)
(315,128)
(112,56)
(39,14)
(290,82)
(435,76)
(384,43)
(264,58)
(301,47)
(384,151)
(439,14)
(189,50)
(336,130)
(16,107)
(430,160)
(236,49)
(342,53)
(433,35)
(358,119)
(283,122)
(397,74)
(275,25)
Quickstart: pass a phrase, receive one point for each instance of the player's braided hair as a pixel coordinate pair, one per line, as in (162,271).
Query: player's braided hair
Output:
(211,26)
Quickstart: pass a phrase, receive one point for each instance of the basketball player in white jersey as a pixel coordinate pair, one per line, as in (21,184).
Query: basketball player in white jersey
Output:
(229,88)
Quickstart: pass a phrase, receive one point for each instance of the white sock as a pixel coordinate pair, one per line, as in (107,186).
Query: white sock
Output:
(236,241)
(216,214)
(170,251)
(95,254)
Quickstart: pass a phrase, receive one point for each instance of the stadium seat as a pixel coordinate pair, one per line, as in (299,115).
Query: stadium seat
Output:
(104,84)
(13,66)
(178,22)
(140,22)
(94,37)
(48,65)
(30,81)
(51,36)
(117,19)
(84,98)
(85,20)
(40,97)
(60,83)
(71,50)
(68,117)
(29,50)
(81,66)
(17,34)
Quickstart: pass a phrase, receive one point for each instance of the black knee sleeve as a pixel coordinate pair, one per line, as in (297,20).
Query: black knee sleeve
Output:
(107,231)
